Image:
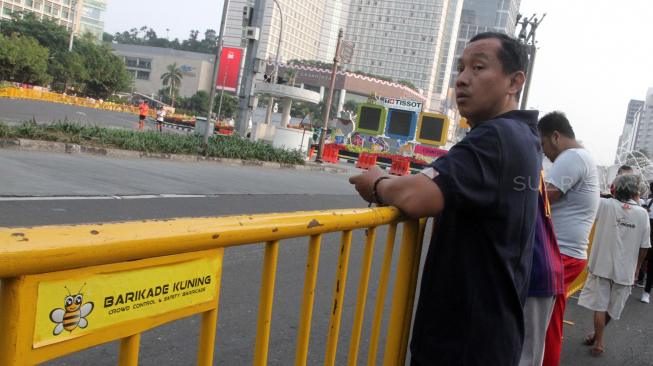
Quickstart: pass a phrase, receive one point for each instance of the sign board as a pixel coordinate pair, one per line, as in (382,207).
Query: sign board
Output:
(229,70)
(70,304)
(403,104)
(432,129)
(371,119)
(346,51)
(401,124)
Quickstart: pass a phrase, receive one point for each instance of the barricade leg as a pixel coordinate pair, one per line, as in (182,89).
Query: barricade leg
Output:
(363,283)
(209,324)
(16,302)
(338,297)
(265,303)
(380,297)
(394,349)
(129,350)
(304,331)
(412,287)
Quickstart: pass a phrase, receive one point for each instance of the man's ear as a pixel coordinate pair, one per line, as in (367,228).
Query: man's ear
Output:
(517,81)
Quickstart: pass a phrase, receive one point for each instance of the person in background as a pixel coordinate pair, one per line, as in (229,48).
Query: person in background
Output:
(142,114)
(646,294)
(621,239)
(160,117)
(572,185)
(624,169)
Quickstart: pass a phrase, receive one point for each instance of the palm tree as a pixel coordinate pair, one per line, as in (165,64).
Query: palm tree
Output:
(172,78)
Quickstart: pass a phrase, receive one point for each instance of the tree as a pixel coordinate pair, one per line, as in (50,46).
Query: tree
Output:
(22,59)
(106,71)
(172,78)
(92,68)
(229,105)
(350,106)
(66,69)
(48,33)
(199,102)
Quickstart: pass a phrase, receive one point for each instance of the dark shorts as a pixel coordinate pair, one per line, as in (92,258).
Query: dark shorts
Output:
(141,117)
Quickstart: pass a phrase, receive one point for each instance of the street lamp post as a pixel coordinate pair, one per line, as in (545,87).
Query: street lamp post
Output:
(332,85)
(216,67)
(72,26)
(275,73)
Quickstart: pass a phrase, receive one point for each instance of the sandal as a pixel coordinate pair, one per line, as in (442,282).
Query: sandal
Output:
(589,340)
(597,351)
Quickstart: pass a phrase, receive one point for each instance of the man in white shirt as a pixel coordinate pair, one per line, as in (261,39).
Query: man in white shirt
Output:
(621,239)
(573,187)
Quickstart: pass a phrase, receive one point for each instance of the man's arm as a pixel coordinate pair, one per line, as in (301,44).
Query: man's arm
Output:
(415,195)
(553,192)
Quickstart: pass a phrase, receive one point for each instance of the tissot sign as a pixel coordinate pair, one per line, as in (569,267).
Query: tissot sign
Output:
(403,104)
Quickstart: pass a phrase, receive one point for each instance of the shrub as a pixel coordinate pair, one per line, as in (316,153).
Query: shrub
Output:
(231,147)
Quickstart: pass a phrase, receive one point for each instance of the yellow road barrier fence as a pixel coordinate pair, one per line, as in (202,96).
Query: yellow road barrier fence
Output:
(68,288)
(46,96)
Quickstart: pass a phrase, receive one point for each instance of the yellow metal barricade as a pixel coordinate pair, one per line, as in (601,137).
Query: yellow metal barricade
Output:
(46,96)
(44,316)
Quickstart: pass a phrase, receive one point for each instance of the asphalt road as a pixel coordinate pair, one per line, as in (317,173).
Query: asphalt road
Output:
(19,110)
(40,188)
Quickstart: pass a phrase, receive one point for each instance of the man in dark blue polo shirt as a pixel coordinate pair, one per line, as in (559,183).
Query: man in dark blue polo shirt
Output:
(484,194)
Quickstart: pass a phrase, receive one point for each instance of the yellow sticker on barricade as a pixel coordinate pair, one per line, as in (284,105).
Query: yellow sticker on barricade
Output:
(70,308)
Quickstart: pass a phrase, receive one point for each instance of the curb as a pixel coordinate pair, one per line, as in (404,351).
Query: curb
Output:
(68,148)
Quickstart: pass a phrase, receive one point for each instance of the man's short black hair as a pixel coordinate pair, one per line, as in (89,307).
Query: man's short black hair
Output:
(555,121)
(624,168)
(513,55)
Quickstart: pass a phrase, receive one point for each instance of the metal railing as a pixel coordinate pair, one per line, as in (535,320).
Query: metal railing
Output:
(33,257)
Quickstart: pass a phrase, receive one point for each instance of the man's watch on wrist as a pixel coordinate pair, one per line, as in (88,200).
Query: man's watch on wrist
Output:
(375,194)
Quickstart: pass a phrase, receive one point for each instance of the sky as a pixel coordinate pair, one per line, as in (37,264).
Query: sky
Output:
(593,55)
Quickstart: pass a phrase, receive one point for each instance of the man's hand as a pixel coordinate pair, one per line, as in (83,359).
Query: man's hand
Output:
(364,183)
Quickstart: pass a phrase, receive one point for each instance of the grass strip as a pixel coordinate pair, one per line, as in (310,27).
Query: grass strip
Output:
(230,147)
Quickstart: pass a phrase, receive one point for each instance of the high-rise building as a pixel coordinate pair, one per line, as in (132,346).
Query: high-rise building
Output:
(401,40)
(411,41)
(480,16)
(447,54)
(643,126)
(88,18)
(303,23)
(91,17)
(59,11)
(626,140)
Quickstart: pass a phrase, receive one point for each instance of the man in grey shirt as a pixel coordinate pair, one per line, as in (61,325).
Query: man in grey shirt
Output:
(573,188)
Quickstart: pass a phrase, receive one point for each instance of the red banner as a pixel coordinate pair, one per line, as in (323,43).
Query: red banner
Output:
(229,68)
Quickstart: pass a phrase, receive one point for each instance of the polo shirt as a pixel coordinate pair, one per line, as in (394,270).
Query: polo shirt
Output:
(475,276)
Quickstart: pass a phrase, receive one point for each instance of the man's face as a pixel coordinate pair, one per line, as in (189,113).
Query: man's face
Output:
(550,146)
(482,87)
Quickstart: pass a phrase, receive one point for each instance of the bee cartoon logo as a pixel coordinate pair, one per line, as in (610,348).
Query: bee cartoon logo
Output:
(73,314)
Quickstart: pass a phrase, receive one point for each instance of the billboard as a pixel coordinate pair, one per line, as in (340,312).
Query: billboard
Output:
(371,119)
(229,70)
(432,129)
(401,124)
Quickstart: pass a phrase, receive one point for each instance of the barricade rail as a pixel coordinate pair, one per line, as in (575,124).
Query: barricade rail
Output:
(36,263)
